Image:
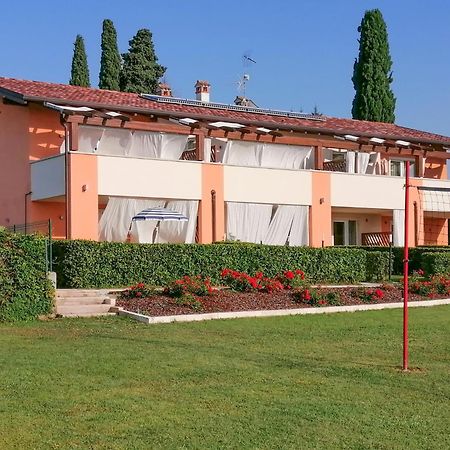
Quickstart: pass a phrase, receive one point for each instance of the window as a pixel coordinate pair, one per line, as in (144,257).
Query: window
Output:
(344,232)
(397,167)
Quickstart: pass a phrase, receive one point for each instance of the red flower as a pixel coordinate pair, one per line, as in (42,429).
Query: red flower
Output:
(306,294)
(379,293)
(289,274)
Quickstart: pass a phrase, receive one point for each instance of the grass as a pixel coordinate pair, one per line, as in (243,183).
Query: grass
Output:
(299,382)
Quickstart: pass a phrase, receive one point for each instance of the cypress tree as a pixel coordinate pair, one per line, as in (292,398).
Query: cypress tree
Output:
(110,62)
(141,71)
(372,75)
(80,70)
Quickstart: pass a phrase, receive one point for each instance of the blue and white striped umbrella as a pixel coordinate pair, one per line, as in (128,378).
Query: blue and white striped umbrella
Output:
(160,214)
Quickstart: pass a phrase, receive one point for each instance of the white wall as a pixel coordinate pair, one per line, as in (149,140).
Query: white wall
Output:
(258,185)
(133,177)
(48,178)
(365,191)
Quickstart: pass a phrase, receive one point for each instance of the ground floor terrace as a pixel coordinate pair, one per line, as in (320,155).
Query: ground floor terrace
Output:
(226,202)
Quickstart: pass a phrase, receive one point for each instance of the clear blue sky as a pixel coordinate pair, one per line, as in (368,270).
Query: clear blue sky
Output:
(304,48)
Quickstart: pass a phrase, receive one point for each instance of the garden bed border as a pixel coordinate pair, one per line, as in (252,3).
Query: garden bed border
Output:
(275,312)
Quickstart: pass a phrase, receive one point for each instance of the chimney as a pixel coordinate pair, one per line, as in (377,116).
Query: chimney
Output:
(164,90)
(202,90)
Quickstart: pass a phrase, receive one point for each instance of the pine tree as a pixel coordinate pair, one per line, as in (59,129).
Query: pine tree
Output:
(141,71)
(372,75)
(110,63)
(80,70)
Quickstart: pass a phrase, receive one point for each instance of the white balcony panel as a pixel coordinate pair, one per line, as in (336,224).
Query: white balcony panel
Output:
(258,185)
(47,178)
(366,191)
(133,177)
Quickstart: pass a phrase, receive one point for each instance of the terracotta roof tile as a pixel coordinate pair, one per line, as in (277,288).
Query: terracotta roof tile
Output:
(37,90)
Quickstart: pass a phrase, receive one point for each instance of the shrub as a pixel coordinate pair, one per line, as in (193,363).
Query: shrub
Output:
(195,285)
(191,301)
(88,264)
(377,266)
(429,288)
(436,263)
(369,295)
(292,279)
(139,290)
(25,291)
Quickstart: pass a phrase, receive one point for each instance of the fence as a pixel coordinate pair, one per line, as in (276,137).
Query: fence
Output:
(43,228)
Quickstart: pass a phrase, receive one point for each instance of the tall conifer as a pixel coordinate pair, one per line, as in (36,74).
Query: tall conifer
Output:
(80,70)
(372,75)
(110,62)
(141,71)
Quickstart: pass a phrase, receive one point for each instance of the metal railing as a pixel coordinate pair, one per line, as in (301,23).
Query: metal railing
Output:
(43,228)
(335,166)
(378,239)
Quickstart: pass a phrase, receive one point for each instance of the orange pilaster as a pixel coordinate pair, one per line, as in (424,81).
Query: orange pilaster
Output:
(320,213)
(211,217)
(83,197)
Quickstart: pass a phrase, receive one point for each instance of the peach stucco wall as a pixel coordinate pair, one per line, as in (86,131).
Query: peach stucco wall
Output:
(435,168)
(212,179)
(14,170)
(27,133)
(320,213)
(83,194)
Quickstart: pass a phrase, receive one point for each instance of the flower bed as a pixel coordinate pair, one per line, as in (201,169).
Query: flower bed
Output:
(242,292)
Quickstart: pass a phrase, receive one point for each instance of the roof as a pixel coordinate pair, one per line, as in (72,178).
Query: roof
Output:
(25,90)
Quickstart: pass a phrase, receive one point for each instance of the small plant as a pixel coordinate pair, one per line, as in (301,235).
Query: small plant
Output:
(191,301)
(195,285)
(333,298)
(241,281)
(370,295)
(292,279)
(140,290)
(307,296)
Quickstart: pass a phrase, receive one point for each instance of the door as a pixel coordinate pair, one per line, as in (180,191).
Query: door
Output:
(345,232)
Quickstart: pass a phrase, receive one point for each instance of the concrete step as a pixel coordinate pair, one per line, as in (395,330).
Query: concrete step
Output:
(85,301)
(91,314)
(68,293)
(82,310)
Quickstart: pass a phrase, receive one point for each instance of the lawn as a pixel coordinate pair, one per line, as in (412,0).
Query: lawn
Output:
(328,381)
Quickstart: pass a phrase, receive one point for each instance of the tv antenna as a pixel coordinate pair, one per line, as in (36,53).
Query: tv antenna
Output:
(247,62)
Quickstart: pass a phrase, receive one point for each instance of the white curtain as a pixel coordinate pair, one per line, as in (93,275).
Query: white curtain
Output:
(300,227)
(242,153)
(288,225)
(115,142)
(179,232)
(89,138)
(116,219)
(172,145)
(145,145)
(276,156)
(141,144)
(398,223)
(350,161)
(248,222)
(363,162)
(372,163)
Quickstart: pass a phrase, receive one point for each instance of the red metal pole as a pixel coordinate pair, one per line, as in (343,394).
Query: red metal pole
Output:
(405,271)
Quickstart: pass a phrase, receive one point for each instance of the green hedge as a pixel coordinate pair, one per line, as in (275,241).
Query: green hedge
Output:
(377,266)
(436,263)
(415,255)
(25,292)
(88,264)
